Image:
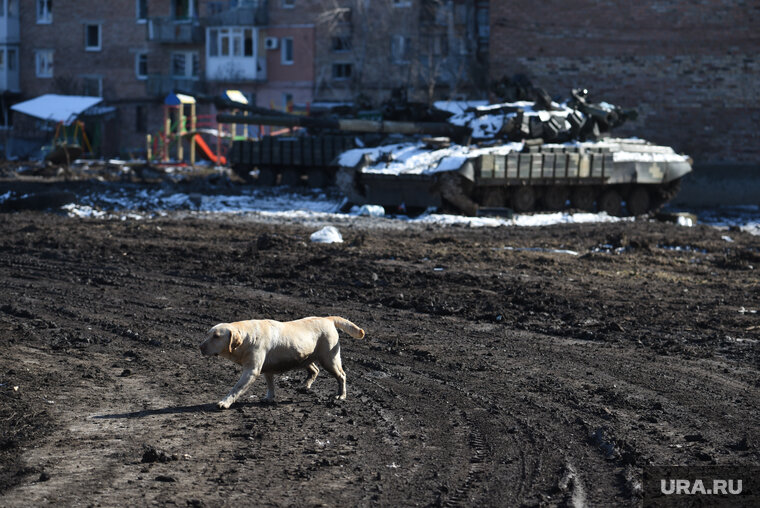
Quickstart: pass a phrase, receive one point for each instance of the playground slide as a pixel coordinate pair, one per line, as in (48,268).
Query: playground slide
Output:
(207,151)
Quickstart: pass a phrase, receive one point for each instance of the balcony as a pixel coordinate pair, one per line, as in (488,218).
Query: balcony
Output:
(175,31)
(9,30)
(236,69)
(249,13)
(161,85)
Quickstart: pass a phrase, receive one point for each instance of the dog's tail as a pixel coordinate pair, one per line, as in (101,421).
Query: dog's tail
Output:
(347,326)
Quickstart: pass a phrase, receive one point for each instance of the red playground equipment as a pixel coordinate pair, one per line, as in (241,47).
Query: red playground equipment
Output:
(182,124)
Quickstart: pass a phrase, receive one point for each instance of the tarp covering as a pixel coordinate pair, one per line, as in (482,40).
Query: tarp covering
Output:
(56,108)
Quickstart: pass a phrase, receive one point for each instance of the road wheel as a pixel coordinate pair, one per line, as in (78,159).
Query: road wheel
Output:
(555,197)
(582,197)
(290,177)
(610,202)
(523,199)
(266,177)
(639,202)
(493,197)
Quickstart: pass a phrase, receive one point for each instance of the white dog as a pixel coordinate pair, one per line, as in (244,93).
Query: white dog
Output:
(271,347)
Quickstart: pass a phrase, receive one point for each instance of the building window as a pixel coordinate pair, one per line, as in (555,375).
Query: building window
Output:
(341,70)
(141,65)
(185,65)
(288,4)
(92,86)
(92,37)
(341,43)
(44,11)
(440,45)
(43,63)
(400,47)
(141,119)
(11,10)
(185,9)
(12,60)
(287,50)
(401,3)
(214,8)
(227,42)
(142,11)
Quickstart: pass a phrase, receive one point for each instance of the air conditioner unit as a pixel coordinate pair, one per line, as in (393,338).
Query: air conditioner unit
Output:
(270,43)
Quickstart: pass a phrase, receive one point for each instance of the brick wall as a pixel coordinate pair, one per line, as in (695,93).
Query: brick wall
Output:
(690,68)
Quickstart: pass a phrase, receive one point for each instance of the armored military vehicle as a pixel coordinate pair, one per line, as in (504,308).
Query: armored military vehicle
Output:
(523,155)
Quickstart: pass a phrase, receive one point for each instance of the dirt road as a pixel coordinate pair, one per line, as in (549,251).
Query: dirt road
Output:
(498,367)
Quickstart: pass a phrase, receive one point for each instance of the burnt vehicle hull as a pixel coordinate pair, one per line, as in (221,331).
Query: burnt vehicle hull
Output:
(289,160)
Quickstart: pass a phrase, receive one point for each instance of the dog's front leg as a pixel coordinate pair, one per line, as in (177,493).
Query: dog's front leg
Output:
(245,381)
(269,397)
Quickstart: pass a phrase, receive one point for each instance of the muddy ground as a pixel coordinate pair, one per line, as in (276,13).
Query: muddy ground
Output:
(490,374)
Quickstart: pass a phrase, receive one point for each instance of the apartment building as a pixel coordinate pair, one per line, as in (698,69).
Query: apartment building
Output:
(10,90)
(279,53)
(133,53)
(431,49)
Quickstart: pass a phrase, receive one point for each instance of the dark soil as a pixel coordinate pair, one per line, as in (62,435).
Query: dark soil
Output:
(490,374)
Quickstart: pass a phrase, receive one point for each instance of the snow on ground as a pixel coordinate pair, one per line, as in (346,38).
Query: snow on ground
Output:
(324,206)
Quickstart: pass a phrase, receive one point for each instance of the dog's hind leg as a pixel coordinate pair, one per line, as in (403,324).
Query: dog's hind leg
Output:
(269,397)
(313,371)
(333,365)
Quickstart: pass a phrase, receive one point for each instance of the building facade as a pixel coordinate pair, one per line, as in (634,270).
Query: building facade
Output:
(689,68)
(280,53)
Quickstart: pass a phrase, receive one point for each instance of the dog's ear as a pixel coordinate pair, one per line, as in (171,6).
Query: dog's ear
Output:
(235,339)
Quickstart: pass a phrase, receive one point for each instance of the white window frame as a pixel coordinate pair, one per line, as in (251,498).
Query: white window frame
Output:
(11,9)
(44,63)
(189,57)
(44,10)
(138,56)
(233,36)
(191,14)
(99,47)
(143,19)
(284,43)
(11,58)
(96,77)
(400,49)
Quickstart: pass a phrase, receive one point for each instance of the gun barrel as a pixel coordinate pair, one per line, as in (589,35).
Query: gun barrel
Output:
(349,125)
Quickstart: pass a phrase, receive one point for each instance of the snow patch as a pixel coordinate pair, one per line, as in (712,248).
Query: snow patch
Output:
(328,234)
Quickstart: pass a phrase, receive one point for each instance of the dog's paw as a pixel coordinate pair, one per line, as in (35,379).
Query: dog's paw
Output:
(223,404)
(303,389)
(340,397)
(267,400)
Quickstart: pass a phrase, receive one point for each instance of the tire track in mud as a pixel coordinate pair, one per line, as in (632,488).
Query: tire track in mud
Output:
(469,412)
(458,409)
